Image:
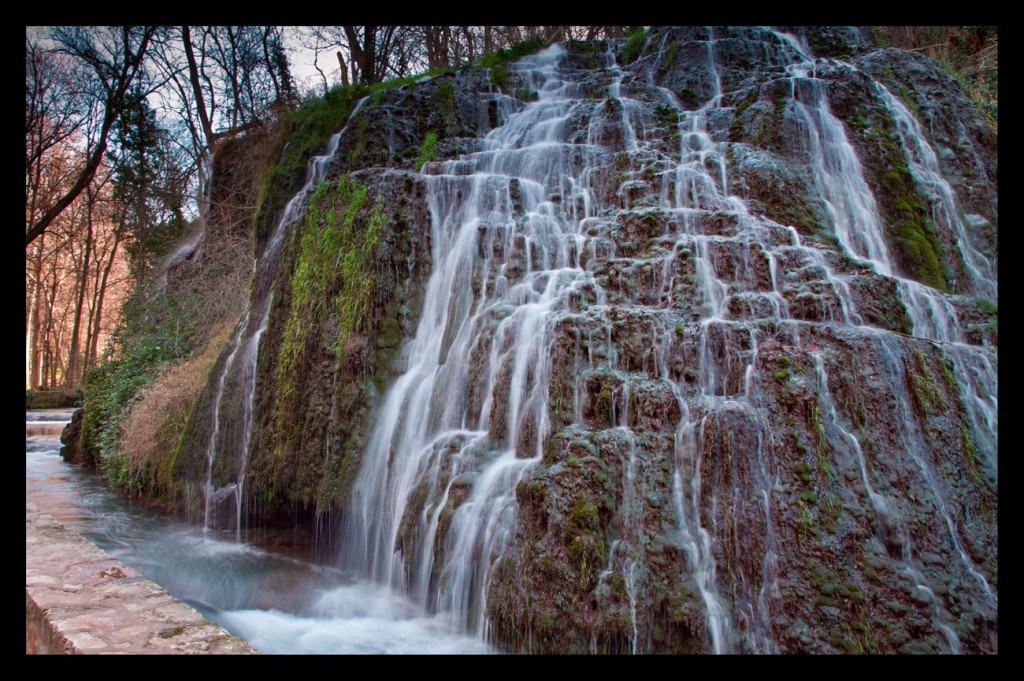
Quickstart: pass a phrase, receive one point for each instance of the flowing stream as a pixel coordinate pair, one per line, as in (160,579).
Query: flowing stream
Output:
(279,603)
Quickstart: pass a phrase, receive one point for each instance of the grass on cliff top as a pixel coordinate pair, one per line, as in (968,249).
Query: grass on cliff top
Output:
(304,133)
(307,128)
(520,49)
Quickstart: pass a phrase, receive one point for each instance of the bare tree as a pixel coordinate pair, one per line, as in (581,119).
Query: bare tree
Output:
(114,57)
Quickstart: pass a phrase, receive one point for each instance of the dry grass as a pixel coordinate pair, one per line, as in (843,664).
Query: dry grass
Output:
(151,429)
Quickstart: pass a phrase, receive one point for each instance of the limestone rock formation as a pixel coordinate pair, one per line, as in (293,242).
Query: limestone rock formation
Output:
(690,354)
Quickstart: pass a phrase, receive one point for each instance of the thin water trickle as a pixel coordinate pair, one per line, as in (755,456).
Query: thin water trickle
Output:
(223,440)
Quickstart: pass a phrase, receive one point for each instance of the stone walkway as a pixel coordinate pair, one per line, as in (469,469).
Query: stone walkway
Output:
(81,600)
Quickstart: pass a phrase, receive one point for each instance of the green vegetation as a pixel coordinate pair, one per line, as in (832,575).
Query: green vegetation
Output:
(584,532)
(946,367)
(499,75)
(52,399)
(736,126)
(427,150)
(520,49)
(668,58)
(635,40)
(806,521)
(854,403)
(969,53)
(306,130)
(821,443)
(445,97)
(334,272)
(989,309)
(666,115)
(151,334)
(827,42)
(689,99)
(782,375)
(603,408)
(913,237)
(803,471)
(926,394)
(498,61)
(909,97)
(970,455)
(587,48)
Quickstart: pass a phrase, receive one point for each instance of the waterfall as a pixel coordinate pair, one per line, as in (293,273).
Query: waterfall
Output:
(231,435)
(604,274)
(496,229)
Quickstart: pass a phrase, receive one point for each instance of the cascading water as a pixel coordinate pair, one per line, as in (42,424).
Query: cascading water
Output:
(522,243)
(231,433)
(438,437)
(642,410)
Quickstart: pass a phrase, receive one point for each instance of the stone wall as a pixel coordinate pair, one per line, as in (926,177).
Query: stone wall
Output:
(79,600)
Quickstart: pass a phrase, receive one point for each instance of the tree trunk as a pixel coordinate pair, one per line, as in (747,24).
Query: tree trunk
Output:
(197,90)
(470,52)
(99,305)
(83,283)
(113,104)
(35,326)
(344,72)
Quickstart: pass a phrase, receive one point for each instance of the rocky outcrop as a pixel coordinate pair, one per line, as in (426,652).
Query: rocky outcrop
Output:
(694,354)
(70,439)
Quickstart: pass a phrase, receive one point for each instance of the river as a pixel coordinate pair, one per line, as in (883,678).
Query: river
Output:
(279,603)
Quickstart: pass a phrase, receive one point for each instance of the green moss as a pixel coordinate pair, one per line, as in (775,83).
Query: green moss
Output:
(666,115)
(427,149)
(782,375)
(827,42)
(588,48)
(584,532)
(635,40)
(909,97)
(604,401)
(497,62)
(445,97)
(805,527)
(689,99)
(926,394)
(821,443)
(499,75)
(520,49)
(989,309)
(970,455)
(359,133)
(946,367)
(333,278)
(309,127)
(910,232)
(736,126)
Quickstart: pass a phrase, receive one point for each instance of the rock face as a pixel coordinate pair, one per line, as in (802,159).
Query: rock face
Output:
(70,450)
(691,354)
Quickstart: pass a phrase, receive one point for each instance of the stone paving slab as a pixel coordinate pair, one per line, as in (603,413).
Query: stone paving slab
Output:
(81,600)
